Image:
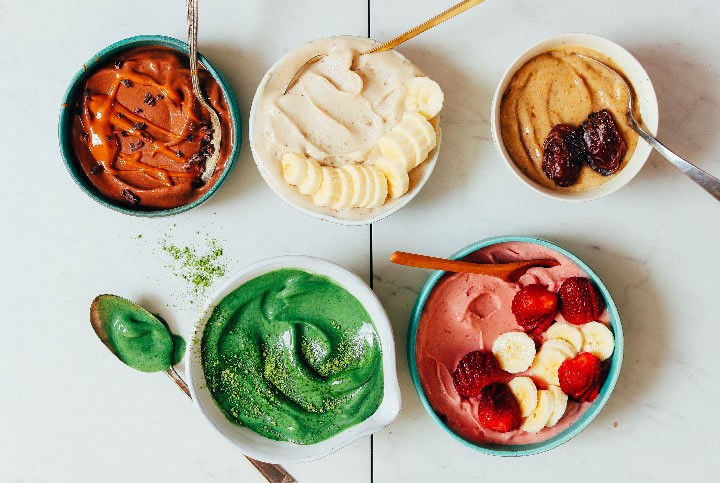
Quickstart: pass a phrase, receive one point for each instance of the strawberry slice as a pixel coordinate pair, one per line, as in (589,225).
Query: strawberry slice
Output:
(498,409)
(582,377)
(592,392)
(534,308)
(580,301)
(476,370)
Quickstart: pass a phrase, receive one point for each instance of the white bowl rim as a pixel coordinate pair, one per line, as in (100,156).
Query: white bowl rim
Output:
(384,415)
(404,200)
(647,104)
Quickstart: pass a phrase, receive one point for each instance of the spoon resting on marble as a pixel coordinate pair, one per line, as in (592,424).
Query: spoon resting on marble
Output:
(391,44)
(143,342)
(508,272)
(708,182)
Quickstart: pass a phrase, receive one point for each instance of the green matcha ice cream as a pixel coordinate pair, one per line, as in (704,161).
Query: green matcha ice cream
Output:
(293,356)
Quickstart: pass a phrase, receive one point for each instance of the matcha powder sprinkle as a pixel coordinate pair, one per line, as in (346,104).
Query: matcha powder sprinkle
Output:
(200,270)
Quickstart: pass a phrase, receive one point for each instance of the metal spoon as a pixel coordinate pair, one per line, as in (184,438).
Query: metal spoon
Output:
(509,272)
(438,19)
(211,161)
(707,181)
(273,473)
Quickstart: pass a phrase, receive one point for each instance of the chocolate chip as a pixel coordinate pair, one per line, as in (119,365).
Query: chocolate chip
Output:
(118,64)
(147,139)
(149,99)
(120,115)
(137,110)
(126,82)
(135,145)
(123,133)
(96,169)
(85,137)
(139,126)
(195,160)
(130,196)
(192,126)
(109,138)
(207,138)
(160,97)
(191,138)
(208,149)
(179,154)
(197,182)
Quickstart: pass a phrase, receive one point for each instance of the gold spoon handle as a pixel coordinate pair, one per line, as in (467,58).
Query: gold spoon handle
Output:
(273,473)
(438,19)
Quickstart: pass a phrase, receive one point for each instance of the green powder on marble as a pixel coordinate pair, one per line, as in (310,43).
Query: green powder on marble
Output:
(199,267)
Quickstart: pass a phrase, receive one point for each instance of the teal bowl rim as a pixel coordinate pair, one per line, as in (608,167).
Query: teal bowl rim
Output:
(585,419)
(64,131)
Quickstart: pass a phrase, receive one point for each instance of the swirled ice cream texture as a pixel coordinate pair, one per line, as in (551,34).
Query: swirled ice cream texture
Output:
(560,87)
(340,106)
(294,357)
(466,312)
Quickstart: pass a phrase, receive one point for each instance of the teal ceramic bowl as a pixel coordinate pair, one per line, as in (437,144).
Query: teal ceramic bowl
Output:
(585,419)
(66,114)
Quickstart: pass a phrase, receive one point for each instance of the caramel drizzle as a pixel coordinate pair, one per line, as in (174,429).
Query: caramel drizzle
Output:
(100,117)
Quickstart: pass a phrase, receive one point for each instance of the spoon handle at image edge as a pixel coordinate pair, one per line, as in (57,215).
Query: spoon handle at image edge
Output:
(436,20)
(273,473)
(707,181)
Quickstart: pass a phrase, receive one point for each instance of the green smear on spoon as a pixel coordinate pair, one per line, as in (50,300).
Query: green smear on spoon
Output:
(134,335)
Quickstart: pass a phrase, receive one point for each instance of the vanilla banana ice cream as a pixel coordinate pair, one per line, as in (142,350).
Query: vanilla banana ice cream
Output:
(353,136)
(469,312)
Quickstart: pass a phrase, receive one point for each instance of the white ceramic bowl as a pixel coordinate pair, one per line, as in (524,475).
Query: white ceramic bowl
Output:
(277,77)
(645,99)
(260,447)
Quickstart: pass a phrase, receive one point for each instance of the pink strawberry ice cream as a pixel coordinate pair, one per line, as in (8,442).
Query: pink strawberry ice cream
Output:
(467,312)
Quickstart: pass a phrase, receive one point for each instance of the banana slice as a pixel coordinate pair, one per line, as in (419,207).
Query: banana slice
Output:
(313,178)
(561,401)
(344,200)
(397,145)
(380,193)
(567,332)
(294,167)
(599,340)
(547,361)
(424,96)
(398,181)
(359,183)
(526,393)
(412,131)
(367,196)
(514,351)
(541,414)
(329,191)
(563,346)
(425,127)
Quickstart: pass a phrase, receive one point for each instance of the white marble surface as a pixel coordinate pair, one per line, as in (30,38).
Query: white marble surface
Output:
(70,412)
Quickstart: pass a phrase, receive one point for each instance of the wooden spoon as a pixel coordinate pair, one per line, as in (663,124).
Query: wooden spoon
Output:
(509,272)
